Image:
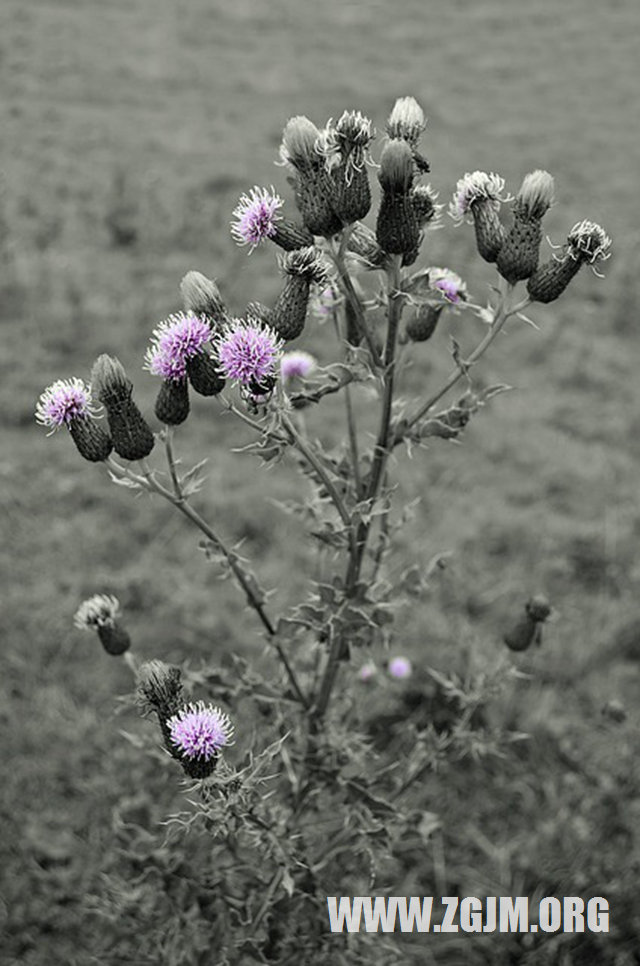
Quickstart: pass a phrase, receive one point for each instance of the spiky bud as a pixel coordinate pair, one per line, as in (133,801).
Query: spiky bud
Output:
(301,149)
(518,256)
(406,121)
(301,268)
(91,440)
(172,402)
(159,691)
(421,327)
(397,227)
(345,147)
(204,374)
(201,296)
(100,613)
(132,437)
(528,630)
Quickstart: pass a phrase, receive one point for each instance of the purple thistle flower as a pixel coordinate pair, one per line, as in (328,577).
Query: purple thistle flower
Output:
(296,363)
(367,671)
(200,731)
(448,284)
(400,667)
(64,401)
(249,352)
(256,215)
(176,340)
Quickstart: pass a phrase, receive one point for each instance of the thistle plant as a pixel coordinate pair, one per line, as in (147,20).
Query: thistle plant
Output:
(311,808)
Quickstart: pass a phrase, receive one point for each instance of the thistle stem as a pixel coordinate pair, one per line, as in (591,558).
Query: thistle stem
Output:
(352,296)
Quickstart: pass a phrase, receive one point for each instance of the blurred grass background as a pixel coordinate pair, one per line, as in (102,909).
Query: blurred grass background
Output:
(129,130)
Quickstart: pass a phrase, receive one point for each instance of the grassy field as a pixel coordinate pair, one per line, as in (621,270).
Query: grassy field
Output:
(129,130)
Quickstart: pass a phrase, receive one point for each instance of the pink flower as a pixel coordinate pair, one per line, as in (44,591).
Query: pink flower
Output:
(296,363)
(249,352)
(256,216)
(174,341)
(400,667)
(367,671)
(62,402)
(200,731)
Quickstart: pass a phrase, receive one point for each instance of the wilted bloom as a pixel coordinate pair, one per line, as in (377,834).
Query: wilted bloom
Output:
(518,256)
(427,212)
(300,268)
(345,146)
(586,244)
(406,121)
(480,195)
(399,667)
(296,364)
(68,402)
(367,671)
(448,284)
(100,613)
(249,352)
(197,733)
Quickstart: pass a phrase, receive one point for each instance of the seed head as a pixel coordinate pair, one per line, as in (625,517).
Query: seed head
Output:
(64,401)
(174,341)
(476,188)
(588,242)
(406,121)
(536,194)
(256,215)
(199,731)
(296,364)
(248,352)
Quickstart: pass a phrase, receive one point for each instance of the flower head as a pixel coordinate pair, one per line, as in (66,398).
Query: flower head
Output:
(301,142)
(200,731)
(367,671)
(448,284)
(536,194)
(406,121)
(256,216)
(101,610)
(174,341)
(297,363)
(347,141)
(62,402)
(473,188)
(400,667)
(588,242)
(248,352)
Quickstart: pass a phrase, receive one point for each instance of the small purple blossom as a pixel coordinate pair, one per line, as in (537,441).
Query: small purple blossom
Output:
(62,402)
(175,340)
(400,667)
(448,284)
(200,731)
(249,352)
(256,215)
(367,671)
(296,363)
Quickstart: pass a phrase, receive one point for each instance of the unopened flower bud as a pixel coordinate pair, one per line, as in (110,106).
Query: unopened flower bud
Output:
(397,228)
(518,256)
(100,614)
(204,374)
(480,195)
(159,689)
(91,440)
(172,402)
(301,149)
(201,297)
(406,121)
(423,324)
(132,437)
(528,630)
(301,268)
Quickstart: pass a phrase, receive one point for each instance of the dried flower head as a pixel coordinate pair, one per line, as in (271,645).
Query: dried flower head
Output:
(64,401)
(248,352)
(174,341)
(101,610)
(400,667)
(588,242)
(536,194)
(296,364)
(448,284)
(406,121)
(474,188)
(199,731)
(347,141)
(256,215)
